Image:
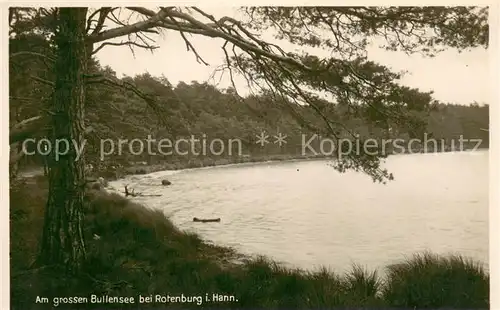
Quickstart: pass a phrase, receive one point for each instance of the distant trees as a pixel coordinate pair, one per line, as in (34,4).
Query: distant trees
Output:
(199,109)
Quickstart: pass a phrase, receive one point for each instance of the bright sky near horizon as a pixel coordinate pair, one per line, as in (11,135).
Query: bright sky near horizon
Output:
(454,77)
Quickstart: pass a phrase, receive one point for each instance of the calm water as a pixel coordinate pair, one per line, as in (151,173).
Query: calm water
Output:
(318,217)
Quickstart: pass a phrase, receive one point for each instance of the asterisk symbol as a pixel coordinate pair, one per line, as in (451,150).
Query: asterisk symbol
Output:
(262,139)
(280,139)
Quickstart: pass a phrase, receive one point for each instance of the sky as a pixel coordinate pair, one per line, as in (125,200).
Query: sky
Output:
(454,77)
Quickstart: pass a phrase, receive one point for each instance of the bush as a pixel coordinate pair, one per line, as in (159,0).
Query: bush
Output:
(429,280)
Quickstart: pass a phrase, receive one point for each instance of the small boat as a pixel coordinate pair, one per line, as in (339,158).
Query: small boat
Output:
(195,219)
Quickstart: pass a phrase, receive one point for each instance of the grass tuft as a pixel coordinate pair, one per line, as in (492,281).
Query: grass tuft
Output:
(429,280)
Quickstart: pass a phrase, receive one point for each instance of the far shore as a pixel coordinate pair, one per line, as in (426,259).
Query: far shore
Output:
(206,163)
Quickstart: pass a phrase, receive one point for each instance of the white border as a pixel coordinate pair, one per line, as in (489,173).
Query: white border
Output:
(4,166)
(494,188)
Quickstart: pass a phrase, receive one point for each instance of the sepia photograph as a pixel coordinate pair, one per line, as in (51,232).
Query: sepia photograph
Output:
(237,157)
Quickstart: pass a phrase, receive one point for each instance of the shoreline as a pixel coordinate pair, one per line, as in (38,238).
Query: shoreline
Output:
(31,171)
(148,169)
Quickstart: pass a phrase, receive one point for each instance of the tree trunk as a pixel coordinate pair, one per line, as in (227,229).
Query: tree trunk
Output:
(46,167)
(62,241)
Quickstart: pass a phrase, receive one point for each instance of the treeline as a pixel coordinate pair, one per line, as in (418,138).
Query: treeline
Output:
(202,111)
(205,112)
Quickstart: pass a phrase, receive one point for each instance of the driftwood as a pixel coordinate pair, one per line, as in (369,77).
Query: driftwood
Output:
(134,194)
(195,219)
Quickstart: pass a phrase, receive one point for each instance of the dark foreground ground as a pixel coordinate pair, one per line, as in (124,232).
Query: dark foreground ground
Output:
(135,251)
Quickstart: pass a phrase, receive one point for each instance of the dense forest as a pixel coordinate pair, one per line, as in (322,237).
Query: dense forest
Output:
(206,112)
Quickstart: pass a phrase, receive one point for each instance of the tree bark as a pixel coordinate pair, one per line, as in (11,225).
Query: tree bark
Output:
(46,167)
(62,241)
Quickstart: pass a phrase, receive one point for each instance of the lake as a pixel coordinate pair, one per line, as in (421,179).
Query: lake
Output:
(306,214)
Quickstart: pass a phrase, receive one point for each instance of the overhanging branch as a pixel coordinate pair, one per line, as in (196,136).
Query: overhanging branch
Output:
(163,19)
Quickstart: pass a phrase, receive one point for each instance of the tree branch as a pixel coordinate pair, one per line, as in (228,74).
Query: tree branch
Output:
(189,45)
(27,128)
(43,81)
(26,53)
(125,30)
(193,26)
(128,43)
(102,18)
